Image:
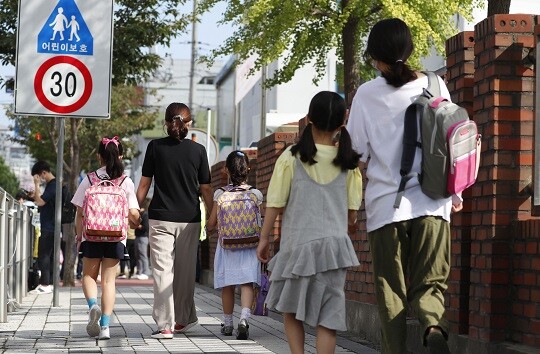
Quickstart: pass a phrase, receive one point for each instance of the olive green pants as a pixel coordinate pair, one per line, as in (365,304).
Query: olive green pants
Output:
(419,248)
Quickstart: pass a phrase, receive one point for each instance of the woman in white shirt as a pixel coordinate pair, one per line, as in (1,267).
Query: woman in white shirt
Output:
(412,241)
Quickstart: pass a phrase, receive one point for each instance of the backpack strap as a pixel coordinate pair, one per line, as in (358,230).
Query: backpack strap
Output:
(434,86)
(410,144)
(97,178)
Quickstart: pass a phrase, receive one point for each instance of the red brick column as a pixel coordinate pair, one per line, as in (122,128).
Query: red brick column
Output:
(503,109)
(460,82)
(268,151)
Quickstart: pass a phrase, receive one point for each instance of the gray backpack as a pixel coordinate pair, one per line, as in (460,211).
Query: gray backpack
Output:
(449,141)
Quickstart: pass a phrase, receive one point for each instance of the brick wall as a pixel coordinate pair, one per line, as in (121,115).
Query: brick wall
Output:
(269,149)
(460,82)
(495,240)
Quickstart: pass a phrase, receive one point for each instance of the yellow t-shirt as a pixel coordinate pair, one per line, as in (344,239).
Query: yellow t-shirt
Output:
(324,171)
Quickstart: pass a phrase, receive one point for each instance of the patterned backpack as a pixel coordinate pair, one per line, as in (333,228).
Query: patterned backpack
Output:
(238,217)
(105,210)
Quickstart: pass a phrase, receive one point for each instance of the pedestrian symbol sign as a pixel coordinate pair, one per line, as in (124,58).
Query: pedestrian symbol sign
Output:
(65,32)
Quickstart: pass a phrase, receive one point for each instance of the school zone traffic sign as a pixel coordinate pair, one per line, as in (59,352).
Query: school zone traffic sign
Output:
(64,58)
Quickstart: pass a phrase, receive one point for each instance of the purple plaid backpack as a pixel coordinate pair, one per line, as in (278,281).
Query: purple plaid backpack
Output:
(238,217)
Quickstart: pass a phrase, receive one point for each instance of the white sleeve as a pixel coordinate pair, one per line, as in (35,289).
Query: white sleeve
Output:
(217,193)
(356,127)
(129,187)
(260,197)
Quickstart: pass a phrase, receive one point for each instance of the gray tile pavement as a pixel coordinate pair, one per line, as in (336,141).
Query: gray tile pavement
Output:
(37,327)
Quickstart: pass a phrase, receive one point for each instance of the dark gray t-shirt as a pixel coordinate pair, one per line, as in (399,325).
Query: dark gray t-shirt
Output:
(178,168)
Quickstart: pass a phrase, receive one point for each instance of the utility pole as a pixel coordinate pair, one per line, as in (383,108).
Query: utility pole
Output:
(193,56)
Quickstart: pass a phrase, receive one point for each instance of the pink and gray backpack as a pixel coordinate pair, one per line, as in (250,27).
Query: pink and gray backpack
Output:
(105,210)
(238,217)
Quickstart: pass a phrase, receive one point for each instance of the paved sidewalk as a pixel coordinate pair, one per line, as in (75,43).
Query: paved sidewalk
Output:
(37,327)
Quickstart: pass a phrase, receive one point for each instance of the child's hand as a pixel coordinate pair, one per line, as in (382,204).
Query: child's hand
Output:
(263,250)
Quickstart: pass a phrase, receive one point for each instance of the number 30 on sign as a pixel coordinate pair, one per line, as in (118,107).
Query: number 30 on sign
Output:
(63,84)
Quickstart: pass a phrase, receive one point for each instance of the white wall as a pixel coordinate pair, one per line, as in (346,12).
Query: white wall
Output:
(285,103)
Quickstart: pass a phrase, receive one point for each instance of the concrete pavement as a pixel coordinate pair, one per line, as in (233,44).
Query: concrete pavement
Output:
(37,327)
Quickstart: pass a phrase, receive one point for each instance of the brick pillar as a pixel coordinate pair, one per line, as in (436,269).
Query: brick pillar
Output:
(269,149)
(460,82)
(503,109)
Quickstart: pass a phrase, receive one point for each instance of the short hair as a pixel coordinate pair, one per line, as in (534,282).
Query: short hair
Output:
(39,167)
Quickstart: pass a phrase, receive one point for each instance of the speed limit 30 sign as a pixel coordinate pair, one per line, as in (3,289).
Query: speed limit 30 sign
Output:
(64,58)
(63,84)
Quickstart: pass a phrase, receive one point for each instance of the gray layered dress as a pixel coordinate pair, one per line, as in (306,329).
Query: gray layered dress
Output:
(308,273)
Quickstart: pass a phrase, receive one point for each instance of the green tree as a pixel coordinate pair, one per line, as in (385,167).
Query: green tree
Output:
(305,31)
(8,180)
(138,26)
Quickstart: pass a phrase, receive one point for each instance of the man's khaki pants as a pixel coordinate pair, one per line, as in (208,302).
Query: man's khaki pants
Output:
(173,253)
(420,248)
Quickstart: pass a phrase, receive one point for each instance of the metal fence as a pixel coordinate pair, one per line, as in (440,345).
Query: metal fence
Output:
(16,242)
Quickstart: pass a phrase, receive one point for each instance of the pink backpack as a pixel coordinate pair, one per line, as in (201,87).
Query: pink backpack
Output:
(105,210)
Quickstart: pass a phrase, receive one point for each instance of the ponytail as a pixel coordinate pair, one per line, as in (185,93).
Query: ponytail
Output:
(306,146)
(110,151)
(346,157)
(399,74)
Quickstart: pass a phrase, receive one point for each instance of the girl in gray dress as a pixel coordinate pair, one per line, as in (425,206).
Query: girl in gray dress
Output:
(318,186)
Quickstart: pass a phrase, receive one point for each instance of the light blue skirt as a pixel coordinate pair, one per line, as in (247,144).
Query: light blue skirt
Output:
(235,267)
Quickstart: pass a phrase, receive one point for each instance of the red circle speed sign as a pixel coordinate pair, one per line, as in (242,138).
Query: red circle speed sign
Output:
(63,84)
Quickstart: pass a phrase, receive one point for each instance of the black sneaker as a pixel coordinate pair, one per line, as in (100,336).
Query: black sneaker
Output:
(436,343)
(226,330)
(242,332)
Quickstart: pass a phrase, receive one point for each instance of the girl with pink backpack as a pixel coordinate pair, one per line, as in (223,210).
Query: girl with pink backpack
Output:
(101,229)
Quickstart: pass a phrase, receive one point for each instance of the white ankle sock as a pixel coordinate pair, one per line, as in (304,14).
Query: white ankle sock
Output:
(227,319)
(246,313)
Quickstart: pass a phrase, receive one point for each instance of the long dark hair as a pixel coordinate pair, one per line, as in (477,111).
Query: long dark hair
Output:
(390,42)
(177,115)
(237,164)
(327,113)
(110,150)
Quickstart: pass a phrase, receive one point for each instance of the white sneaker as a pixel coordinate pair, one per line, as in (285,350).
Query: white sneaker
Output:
(92,328)
(42,289)
(142,277)
(104,333)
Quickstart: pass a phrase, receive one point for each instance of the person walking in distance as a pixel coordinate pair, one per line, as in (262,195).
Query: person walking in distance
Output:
(410,244)
(141,244)
(103,254)
(179,169)
(41,172)
(235,266)
(318,186)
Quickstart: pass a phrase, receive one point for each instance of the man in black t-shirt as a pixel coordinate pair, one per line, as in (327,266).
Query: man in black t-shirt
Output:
(41,172)
(180,171)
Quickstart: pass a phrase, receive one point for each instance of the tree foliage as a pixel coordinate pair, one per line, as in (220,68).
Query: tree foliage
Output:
(8,180)
(305,31)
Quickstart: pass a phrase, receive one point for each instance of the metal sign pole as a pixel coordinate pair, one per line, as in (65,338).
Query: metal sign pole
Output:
(208,128)
(58,206)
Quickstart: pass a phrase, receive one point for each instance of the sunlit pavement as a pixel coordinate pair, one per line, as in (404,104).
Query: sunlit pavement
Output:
(37,327)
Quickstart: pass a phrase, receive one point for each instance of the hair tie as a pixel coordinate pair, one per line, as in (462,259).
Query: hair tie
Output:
(105,141)
(399,61)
